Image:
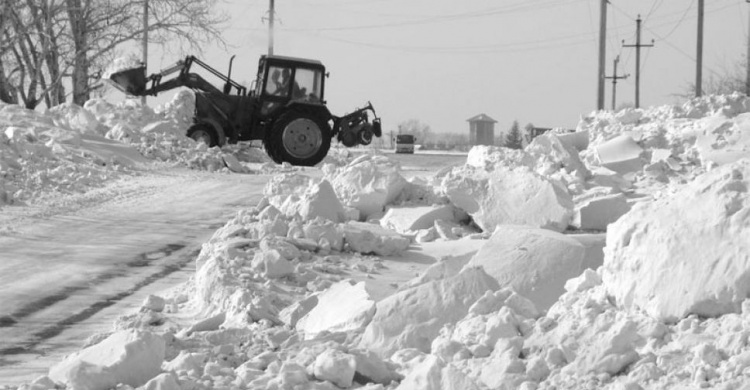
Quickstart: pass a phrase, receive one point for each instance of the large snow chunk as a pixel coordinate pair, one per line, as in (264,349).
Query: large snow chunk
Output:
(320,201)
(336,367)
(620,154)
(724,141)
(131,357)
(412,318)
(687,253)
(368,183)
(404,219)
(597,213)
(551,151)
(432,373)
(509,197)
(272,264)
(370,238)
(344,307)
(578,140)
(536,263)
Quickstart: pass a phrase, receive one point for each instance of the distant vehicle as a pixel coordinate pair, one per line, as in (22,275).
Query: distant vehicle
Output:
(405,143)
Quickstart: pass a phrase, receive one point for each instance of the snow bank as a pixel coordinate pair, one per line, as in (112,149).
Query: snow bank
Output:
(277,308)
(697,240)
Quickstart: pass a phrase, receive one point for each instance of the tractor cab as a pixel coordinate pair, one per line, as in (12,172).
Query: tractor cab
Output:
(282,80)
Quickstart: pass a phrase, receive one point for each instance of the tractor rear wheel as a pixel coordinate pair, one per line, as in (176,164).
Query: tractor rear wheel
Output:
(299,138)
(201,132)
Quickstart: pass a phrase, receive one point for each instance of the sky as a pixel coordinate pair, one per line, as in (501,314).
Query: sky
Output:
(444,61)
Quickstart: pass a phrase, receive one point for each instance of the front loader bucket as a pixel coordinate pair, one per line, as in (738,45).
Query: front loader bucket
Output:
(131,81)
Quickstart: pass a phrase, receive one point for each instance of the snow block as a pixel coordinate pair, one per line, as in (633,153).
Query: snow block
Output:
(319,200)
(369,238)
(271,264)
(372,368)
(620,154)
(404,219)
(433,373)
(321,229)
(687,253)
(508,197)
(336,367)
(597,213)
(412,318)
(291,314)
(343,307)
(165,381)
(578,140)
(131,357)
(232,163)
(368,184)
(536,263)
(549,149)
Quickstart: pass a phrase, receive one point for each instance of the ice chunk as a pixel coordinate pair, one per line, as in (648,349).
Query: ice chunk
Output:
(413,317)
(369,238)
(597,213)
(130,357)
(343,307)
(620,154)
(336,367)
(535,262)
(505,196)
(404,219)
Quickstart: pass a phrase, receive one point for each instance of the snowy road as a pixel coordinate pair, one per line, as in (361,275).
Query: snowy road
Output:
(62,266)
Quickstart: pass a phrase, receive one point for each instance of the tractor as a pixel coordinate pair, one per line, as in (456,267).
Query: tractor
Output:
(285,107)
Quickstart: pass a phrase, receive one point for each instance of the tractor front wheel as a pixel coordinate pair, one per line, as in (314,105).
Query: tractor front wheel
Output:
(299,138)
(201,132)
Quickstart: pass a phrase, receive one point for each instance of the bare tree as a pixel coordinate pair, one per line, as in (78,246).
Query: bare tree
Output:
(96,30)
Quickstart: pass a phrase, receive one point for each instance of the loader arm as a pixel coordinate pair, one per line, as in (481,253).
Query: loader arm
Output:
(134,82)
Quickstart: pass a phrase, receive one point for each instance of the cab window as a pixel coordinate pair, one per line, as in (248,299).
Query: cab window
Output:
(308,85)
(279,80)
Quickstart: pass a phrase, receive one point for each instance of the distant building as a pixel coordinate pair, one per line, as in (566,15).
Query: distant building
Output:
(481,130)
(537,131)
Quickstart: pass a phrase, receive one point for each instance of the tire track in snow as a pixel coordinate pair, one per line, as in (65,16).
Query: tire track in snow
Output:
(142,260)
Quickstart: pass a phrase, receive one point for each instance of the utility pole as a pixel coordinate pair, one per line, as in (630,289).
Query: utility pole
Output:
(145,42)
(638,47)
(270,28)
(614,78)
(602,50)
(699,53)
(747,66)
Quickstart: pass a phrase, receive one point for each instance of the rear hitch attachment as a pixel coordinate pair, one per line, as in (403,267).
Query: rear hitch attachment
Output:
(356,129)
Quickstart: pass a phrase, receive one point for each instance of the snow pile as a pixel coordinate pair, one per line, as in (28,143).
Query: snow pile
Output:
(698,237)
(508,196)
(70,149)
(41,155)
(283,294)
(675,142)
(368,184)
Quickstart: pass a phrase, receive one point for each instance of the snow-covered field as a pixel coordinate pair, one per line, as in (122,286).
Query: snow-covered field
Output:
(615,257)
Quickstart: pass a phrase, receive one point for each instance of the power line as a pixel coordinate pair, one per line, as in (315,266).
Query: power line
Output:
(491,48)
(444,18)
